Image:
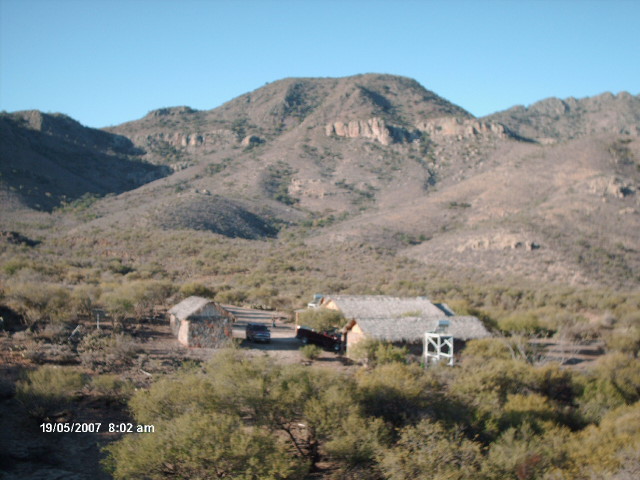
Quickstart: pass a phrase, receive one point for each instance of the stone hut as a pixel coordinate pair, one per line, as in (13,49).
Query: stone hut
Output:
(200,322)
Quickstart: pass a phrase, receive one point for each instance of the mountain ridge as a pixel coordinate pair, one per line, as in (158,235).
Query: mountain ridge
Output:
(379,160)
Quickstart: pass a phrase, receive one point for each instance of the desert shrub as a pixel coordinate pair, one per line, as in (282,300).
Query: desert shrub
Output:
(400,393)
(375,352)
(322,319)
(44,353)
(34,352)
(84,299)
(263,294)
(603,450)
(102,352)
(357,444)
(172,396)
(48,389)
(119,303)
(464,307)
(486,349)
(264,394)
(579,330)
(523,454)
(531,408)
(14,265)
(112,387)
(430,450)
(54,332)
(198,289)
(310,352)
(146,294)
(38,301)
(484,387)
(613,382)
(624,339)
(116,266)
(523,324)
(196,445)
(233,296)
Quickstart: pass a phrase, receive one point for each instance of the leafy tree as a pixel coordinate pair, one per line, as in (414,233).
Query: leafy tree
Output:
(38,301)
(609,447)
(400,393)
(322,319)
(202,446)
(523,454)
(614,382)
(375,352)
(430,450)
(198,289)
(119,304)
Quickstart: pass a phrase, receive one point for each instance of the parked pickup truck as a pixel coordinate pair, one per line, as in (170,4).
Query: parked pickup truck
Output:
(328,340)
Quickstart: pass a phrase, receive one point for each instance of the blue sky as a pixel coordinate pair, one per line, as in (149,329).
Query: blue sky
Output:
(105,62)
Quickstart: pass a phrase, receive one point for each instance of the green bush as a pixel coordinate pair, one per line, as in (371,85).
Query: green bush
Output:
(399,393)
(38,301)
(375,352)
(430,450)
(601,451)
(48,389)
(613,382)
(112,387)
(196,445)
(624,339)
(521,453)
(103,352)
(197,289)
(523,324)
(322,319)
(310,352)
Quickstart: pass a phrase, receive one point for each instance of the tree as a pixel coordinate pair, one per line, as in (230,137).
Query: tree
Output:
(430,450)
(202,446)
(322,319)
(38,302)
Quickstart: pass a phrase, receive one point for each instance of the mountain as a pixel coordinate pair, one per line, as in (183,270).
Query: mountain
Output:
(554,119)
(547,192)
(48,160)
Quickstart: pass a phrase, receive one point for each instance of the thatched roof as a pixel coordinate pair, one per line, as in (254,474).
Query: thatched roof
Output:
(384,306)
(189,307)
(412,329)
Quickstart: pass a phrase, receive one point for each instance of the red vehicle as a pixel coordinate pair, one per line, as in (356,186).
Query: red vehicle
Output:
(328,340)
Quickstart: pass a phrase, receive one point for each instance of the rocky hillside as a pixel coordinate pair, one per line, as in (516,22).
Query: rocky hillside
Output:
(548,192)
(553,120)
(49,160)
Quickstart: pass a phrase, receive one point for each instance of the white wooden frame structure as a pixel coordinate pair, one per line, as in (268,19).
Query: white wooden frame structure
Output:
(438,347)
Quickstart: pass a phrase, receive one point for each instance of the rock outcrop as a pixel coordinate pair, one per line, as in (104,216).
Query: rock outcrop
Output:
(377,129)
(462,128)
(374,128)
(196,139)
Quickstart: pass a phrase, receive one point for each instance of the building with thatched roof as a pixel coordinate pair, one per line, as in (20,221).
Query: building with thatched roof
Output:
(200,322)
(382,306)
(400,320)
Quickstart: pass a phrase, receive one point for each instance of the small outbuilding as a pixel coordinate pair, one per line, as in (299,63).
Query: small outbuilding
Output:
(200,322)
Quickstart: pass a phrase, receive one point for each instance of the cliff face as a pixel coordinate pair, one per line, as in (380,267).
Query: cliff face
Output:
(377,129)
(373,128)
